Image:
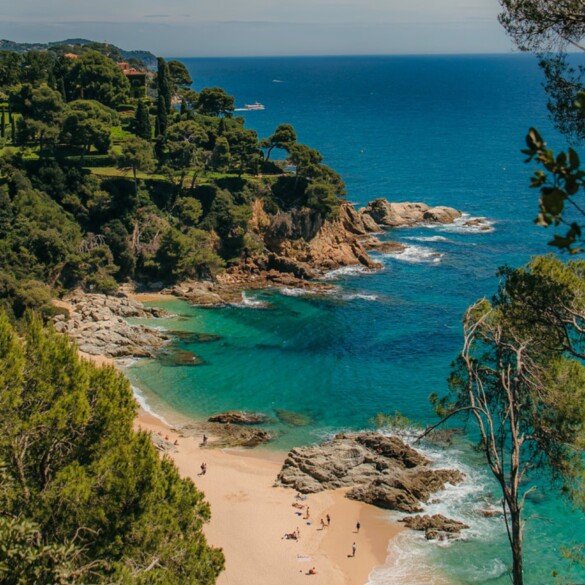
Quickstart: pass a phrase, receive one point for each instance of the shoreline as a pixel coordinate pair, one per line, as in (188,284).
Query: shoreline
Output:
(249,517)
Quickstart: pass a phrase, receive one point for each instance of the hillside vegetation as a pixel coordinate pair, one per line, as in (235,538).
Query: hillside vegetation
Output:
(110,172)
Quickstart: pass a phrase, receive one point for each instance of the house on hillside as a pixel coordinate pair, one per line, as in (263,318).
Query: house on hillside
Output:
(136,78)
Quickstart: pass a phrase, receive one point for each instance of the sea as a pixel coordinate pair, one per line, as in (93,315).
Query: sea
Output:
(445,130)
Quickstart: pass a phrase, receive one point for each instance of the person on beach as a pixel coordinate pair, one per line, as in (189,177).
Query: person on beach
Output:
(204,440)
(312,571)
(358,526)
(353,549)
(322,523)
(328,519)
(203,469)
(307,514)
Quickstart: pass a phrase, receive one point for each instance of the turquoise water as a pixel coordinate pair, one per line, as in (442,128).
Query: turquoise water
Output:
(445,130)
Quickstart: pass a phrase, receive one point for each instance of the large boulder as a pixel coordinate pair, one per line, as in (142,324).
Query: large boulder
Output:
(441,214)
(435,527)
(392,215)
(380,470)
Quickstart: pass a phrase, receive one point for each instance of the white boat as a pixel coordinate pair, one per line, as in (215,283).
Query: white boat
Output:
(255,106)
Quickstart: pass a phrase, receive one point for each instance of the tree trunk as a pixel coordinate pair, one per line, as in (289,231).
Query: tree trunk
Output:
(517,569)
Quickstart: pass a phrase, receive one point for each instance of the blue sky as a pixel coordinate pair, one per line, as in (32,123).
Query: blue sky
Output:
(263,27)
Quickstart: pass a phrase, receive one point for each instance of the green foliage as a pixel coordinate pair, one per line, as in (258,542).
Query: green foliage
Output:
(42,111)
(550,28)
(189,211)
(214,101)
(25,558)
(179,74)
(560,183)
(164,85)
(142,126)
(188,255)
(521,379)
(10,63)
(396,422)
(136,154)
(162,119)
(87,123)
(83,495)
(221,155)
(92,76)
(284,137)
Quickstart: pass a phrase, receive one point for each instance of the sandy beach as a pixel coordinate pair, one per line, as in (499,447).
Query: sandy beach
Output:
(249,518)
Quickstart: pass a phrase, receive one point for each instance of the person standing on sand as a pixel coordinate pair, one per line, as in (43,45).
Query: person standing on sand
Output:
(353,549)
(307,515)
(358,526)
(328,519)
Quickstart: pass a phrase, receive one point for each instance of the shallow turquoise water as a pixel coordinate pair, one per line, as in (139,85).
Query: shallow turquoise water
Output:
(445,130)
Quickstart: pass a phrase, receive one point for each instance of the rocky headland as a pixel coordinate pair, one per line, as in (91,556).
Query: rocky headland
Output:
(379,470)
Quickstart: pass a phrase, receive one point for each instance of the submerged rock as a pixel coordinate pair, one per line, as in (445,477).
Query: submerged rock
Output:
(293,419)
(179,357)
(383,471)
(194,337)
(238,418)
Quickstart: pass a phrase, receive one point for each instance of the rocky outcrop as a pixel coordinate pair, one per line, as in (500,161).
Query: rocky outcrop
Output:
(436,527)
(391,215)
(97,323)
(238,418)
(304,239)
(381,470)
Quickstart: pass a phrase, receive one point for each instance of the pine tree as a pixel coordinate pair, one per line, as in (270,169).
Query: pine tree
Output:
(73,469)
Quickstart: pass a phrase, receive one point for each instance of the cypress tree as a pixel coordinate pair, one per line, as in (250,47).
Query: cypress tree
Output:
(162,117)
(164,83)
(3,124)
(142,127)
(13,129)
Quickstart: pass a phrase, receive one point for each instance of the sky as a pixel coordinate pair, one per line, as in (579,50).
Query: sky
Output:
(194,28)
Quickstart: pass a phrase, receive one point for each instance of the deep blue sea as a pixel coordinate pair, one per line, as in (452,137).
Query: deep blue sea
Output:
(443,130)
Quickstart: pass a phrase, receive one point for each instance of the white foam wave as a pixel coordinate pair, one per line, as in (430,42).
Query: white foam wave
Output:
(291,291)
(359,296)
(413,559)
(466,224)
(143,402)
(428,239)
(416,255)
(407,563)
(346,271)
(250,303)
